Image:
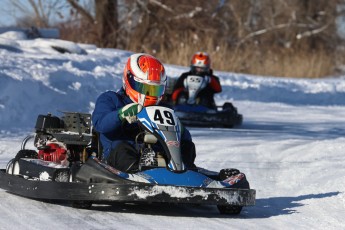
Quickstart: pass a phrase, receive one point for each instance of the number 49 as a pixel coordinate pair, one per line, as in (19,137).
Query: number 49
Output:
(168,117)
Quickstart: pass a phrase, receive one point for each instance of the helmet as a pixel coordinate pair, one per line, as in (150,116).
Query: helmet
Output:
(144,79)
(201,62)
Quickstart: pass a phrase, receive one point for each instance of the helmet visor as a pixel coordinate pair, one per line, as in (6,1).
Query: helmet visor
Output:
(147,89)
(200,70)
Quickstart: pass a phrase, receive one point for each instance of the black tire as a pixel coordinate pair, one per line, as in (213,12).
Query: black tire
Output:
(25,153)
(229,106)
(226,173)
(12,167)
(9,167)
(229,209)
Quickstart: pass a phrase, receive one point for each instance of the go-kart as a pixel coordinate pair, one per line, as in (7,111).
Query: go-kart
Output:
(67,166)
(193,111)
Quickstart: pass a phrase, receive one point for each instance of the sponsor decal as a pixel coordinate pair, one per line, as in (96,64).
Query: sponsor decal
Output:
(206,182)
(173,143)
(234,179)
(108,167)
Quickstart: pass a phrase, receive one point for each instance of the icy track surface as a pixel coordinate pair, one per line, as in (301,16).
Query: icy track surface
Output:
(295,161)
(291,145)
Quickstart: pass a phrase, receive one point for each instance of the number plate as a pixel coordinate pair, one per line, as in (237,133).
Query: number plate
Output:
(162,115)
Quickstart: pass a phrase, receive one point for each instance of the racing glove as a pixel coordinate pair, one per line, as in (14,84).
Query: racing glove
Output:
(129,112)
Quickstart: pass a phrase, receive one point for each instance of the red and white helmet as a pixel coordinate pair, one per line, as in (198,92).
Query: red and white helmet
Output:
(202,61)
(144,79)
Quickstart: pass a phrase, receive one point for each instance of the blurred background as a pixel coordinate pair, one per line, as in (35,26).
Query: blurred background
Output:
(285,38)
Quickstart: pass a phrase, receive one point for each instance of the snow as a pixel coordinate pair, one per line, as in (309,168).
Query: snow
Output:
(172,191)
(290,146)
(44,176)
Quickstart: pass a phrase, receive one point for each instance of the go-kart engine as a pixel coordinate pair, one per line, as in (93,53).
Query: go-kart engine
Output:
(54,152)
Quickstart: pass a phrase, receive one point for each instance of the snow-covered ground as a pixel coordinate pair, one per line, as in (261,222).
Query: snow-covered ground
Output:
(291,145)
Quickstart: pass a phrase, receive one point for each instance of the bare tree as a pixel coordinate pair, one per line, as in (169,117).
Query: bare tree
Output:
(106,22)
(38,13)
(103,27)
(175,29)
(289,22)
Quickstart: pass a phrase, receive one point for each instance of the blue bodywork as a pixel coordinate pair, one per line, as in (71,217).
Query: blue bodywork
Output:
(188,178)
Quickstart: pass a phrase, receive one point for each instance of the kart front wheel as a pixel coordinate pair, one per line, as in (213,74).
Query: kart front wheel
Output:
(229,106)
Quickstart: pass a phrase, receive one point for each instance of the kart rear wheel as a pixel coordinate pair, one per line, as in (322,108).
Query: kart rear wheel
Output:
(16,168)
(9,167)
(229,209)
(25,153)
(13,167)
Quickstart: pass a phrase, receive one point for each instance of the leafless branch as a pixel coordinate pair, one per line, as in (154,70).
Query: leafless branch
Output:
(143,6)
(312,32)
(81,10)
(263,31)
(19,6)
(158,3)
(188,15)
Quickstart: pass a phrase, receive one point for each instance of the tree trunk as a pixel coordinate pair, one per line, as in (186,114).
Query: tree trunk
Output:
(106,22)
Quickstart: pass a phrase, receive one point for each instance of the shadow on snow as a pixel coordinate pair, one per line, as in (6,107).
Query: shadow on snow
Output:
(264,208)
(277,206)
